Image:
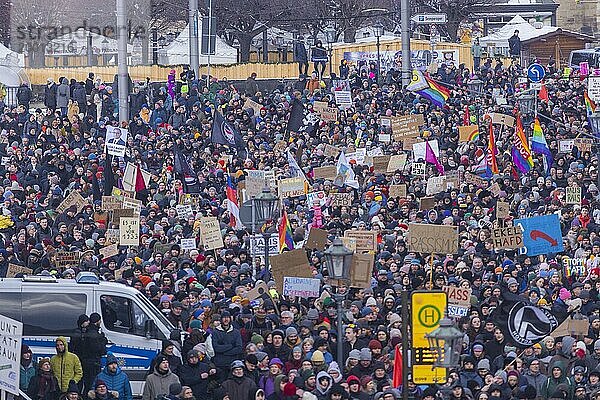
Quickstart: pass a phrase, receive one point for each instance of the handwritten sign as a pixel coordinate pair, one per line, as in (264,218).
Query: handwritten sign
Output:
(502,209)
(426,203)
(292,187)
(418,169)
(329,114)
(67,258)
(210,232)
(566,145)
(327,172)
(397,162)
(331,151)
(475,180)
(301,287)
(380,164)
(397,190)
(184,210)
(584,144)
(188,244)
(575,266)
(112,236)
(507,238)
(109,251)
(290,263)
(349,243)
(15,269)
(73,199)
(365,240)
(573,195)
(133,204)
(426,238)
(435,184)
(251,104)
(341,199)
(467,133)
(129,231)
(503,119)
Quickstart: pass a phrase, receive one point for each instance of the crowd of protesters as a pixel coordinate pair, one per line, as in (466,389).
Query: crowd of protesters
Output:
(285,348)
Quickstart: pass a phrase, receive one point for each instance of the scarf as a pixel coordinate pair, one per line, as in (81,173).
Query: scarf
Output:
(46,384)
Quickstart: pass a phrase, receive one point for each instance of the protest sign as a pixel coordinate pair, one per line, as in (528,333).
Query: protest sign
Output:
(459,301)
(116,140)
(453,179)
(67,258)
(328,172)
(541,234)
(435,184)
(317,239)
(380,164)
(573,195)
(475,180)
(426,203)
(403,127)
(319,106)
(574,267)
(426,238)
(117,214)
(384,137)
(331,151)
(129,231)
(254,185)
(259,290)
(301,287)
(257,245)
(110,203)
(359,156)
(503,119)
(188,244)
(101,217)
(184,210)
(343,98)
(566,145)
(397,190)
(502,209)
(365,240)
(210,232)
(72,199)
(15,269)
(329,114)
(397,162)
(109,251)
(418,169)
(349,243)
(112,236)
(251,104)
(467,133)
(120,193)
(386,122)
(292,263)
(292,187)
(133,204)
(11,336)
(584,144)
(419,149)
(509,238)
(316,196)
(341,199)
(408,143)
(361,270)
(495,189)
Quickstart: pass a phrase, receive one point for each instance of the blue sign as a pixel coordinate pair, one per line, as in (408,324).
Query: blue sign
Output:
(541,235)
(536,72)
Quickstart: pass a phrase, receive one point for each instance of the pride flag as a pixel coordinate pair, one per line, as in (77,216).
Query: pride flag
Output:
(285,234)
(589,104)
(521,154)
(492,151)
(539,145)
(426,87)
(232,205)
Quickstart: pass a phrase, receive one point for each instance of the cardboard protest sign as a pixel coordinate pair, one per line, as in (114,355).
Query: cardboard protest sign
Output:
(386,122)
(254,185)
(317,239)
(343,98)
(67,258)
(418,169)
(331,151)
(258,291)
(301,287)
(509,238)
(133,204)
(584,144)
(101,217)
(359,156)
(116,141)
(458,295)
(380,164)
(328,172)
(384,137)
(290,263)
(251,104)
(426,238)
(495,189)
(475,180)
(210,232)
(14,269)
(162,248)
(503,119)
(112,236)
(120,194)
(349,243)
(361,270)
(408,143)
(320,106)
(188,244)
(365,240)
(574,266)
(453,179)
(403,127)
(502,209)
(435,184)
(397,162)
(467,133)
(109,251)
(129,231)
(573,195)
(72,199)
(292,187)
(329,114)
(397,190)
(117,214)
(426,203)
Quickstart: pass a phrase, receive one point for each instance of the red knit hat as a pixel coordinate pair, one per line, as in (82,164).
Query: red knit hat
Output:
(289,389)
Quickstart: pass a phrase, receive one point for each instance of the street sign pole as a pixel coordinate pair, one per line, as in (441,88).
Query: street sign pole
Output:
(405,22)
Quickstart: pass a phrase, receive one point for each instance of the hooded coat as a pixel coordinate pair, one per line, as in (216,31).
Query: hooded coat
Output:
(158,384)
(118,382)
(319,392)
(552,383)
(66,366)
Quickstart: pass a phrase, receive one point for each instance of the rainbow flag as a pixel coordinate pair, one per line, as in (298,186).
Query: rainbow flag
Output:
(520,151)
(540,146)
(426,87)
(285,234)
(492,151)
(589,104)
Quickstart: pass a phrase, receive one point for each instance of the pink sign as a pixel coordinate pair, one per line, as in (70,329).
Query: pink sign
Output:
(584,68)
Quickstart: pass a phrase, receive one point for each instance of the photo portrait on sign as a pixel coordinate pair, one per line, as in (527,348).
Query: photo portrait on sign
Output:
(116,141)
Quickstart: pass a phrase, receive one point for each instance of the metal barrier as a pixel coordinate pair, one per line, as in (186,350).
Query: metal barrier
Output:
(11,96)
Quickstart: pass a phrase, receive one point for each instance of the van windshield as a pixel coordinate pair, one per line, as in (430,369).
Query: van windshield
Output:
(156,315)
(579,57)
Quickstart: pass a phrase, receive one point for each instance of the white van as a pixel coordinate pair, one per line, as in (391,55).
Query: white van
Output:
(49,308)
(591,56)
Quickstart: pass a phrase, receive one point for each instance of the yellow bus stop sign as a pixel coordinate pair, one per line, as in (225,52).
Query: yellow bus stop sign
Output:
(428,309)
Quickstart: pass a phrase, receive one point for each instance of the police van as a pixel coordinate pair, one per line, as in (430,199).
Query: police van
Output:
(49,307)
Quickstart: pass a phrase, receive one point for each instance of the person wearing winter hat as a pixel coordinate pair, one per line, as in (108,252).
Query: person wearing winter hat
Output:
(101,392)
(66,366)
(277,349)
(364,366)
(267,382)
(115,378)
(226,341)
(44,385)
(334,372)
(291,337)
(195,373)
(158,382)
(296,360)
(237,385)
(28,367)
(352,360)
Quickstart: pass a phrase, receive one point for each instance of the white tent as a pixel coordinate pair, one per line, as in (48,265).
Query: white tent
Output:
(499,39)
(10,58)
(75,44)
(178,52)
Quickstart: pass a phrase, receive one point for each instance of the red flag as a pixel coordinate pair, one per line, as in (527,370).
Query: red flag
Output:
(467,117)
(544,93)
(397,377)
(139,180)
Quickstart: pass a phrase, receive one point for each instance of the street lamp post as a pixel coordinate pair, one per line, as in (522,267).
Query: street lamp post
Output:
(526,104)
(378,30)
(330,36)
(594,119)
(475,86)
(446,343)
(338,260)
(264,207)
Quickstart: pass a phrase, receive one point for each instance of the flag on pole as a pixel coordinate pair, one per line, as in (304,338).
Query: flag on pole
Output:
(492,151)
(590,106)
(345,173)
(397,373)
(109,176)
(285,234)
(539,145)
(428,88)
(183,169)
(432,159)
(224,133)
(295,169)
(521,154)
(232,205)
(467,117)
(544,93)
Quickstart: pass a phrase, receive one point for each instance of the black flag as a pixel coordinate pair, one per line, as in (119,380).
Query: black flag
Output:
(521,322)
(224,133)
(296,116)
(109,176)
(185,171)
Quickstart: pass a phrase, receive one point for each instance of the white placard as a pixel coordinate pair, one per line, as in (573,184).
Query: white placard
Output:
(319,196)
(116,141)
(419,149)
(343,98)
(188,244)
(184,210)
(301,287)
(129,231)
(593,88)
(11,334)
